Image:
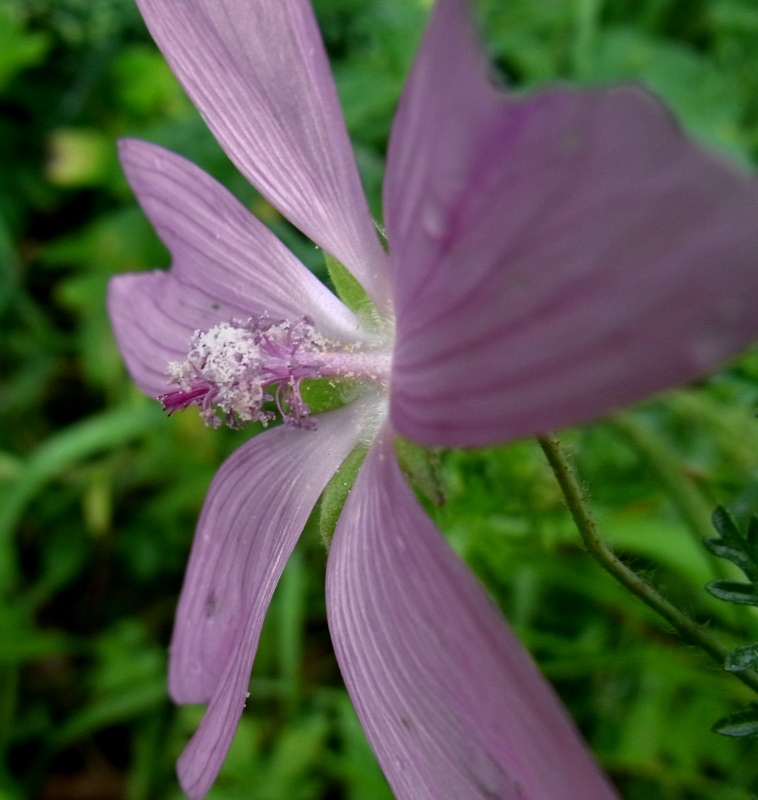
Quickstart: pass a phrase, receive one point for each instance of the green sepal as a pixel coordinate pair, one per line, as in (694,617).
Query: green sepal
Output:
(324,394)
(347,287)
(740,550)
(743,724)
(742,658)
(336,492)
(734,592)
(422,469)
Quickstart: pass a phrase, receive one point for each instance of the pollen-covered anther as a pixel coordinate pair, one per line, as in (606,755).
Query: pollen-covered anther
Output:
(238,366)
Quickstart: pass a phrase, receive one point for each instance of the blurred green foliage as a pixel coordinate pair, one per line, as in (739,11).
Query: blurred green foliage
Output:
(99,492)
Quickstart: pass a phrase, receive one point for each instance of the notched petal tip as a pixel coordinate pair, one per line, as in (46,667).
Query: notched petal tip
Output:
(259,75)
(221,251)
(226,265)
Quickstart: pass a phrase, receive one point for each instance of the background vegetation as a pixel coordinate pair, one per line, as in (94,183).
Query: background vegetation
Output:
(99,492)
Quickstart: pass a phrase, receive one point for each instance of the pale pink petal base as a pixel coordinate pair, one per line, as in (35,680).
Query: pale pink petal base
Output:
(258,73)
(554,256)
(225,265)
(255,510)
(451,703)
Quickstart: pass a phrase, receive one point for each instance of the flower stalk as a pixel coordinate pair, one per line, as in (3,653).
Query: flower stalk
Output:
(609,561)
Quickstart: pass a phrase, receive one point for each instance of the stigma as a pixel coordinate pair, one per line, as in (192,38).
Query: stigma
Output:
(252,371)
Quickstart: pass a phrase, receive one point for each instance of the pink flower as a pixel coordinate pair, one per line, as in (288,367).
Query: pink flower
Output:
(550,257)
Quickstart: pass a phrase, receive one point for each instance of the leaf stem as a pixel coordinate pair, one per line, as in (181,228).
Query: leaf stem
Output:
(599,550)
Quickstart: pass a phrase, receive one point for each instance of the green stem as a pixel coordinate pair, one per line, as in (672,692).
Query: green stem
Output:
(600,551)
(587,18)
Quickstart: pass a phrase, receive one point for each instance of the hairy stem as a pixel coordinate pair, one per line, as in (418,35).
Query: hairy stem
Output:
(600,551)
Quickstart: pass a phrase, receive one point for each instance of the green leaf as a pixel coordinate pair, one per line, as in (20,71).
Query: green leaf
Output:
(347,287)
(740,724)
(22,642)
(733,545)
(78,157)
(19,48)
(724,524)
(734,592)
(742,658)
(128,703)
(336,492)
(738,557)
(421,467)
(324,394)
(56,456)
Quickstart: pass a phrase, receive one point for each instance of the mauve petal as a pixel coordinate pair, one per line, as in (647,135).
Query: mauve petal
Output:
(225,264)
(554,256)
(258,73)
(255,511)
(451,703)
